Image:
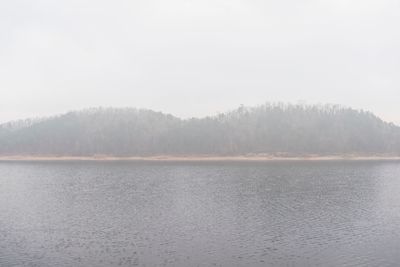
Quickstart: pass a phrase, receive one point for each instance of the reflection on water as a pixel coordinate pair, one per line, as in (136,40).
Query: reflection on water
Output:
(200,214)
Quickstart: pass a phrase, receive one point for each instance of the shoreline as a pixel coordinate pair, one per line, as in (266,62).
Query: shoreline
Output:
(254,158)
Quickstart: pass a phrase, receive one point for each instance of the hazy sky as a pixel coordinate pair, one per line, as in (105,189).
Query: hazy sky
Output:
(197,57)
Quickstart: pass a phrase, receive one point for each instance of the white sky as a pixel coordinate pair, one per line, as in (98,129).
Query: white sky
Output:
(197,57)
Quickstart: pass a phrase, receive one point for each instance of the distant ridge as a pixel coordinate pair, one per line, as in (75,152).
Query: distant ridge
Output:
(270,129)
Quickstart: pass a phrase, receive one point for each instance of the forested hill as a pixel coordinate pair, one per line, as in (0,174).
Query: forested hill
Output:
(267,129)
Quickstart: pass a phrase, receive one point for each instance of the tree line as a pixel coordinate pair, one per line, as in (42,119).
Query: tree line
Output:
(283,129)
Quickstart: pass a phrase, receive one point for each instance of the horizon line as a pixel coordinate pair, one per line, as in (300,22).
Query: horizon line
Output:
(215,114)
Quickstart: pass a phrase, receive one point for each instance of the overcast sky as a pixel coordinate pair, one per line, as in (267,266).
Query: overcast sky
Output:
(197,57)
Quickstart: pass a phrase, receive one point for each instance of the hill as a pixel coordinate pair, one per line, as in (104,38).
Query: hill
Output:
(282,129)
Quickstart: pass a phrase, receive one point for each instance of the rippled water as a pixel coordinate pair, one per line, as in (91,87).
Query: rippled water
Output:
(200,214)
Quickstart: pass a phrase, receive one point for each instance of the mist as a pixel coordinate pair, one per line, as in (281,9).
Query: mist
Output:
(197,58)
(269,130)
(188,133)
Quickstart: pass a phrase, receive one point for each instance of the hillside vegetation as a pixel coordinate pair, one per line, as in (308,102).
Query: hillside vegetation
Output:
(268,129)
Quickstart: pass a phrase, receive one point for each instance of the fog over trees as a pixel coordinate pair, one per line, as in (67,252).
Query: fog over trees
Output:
(282,129)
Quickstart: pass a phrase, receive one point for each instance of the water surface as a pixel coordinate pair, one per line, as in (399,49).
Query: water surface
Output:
(199,214)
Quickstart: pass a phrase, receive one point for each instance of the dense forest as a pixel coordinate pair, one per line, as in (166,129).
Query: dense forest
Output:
(282,129)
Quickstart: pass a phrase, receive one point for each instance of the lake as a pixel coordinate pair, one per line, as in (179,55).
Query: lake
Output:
(200,214)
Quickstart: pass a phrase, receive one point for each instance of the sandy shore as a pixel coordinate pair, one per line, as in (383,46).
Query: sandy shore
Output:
(203,158)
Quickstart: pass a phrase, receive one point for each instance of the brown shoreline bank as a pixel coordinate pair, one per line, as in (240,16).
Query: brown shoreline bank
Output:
(203,158)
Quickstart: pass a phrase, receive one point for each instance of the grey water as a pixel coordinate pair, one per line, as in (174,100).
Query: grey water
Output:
(199,214)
